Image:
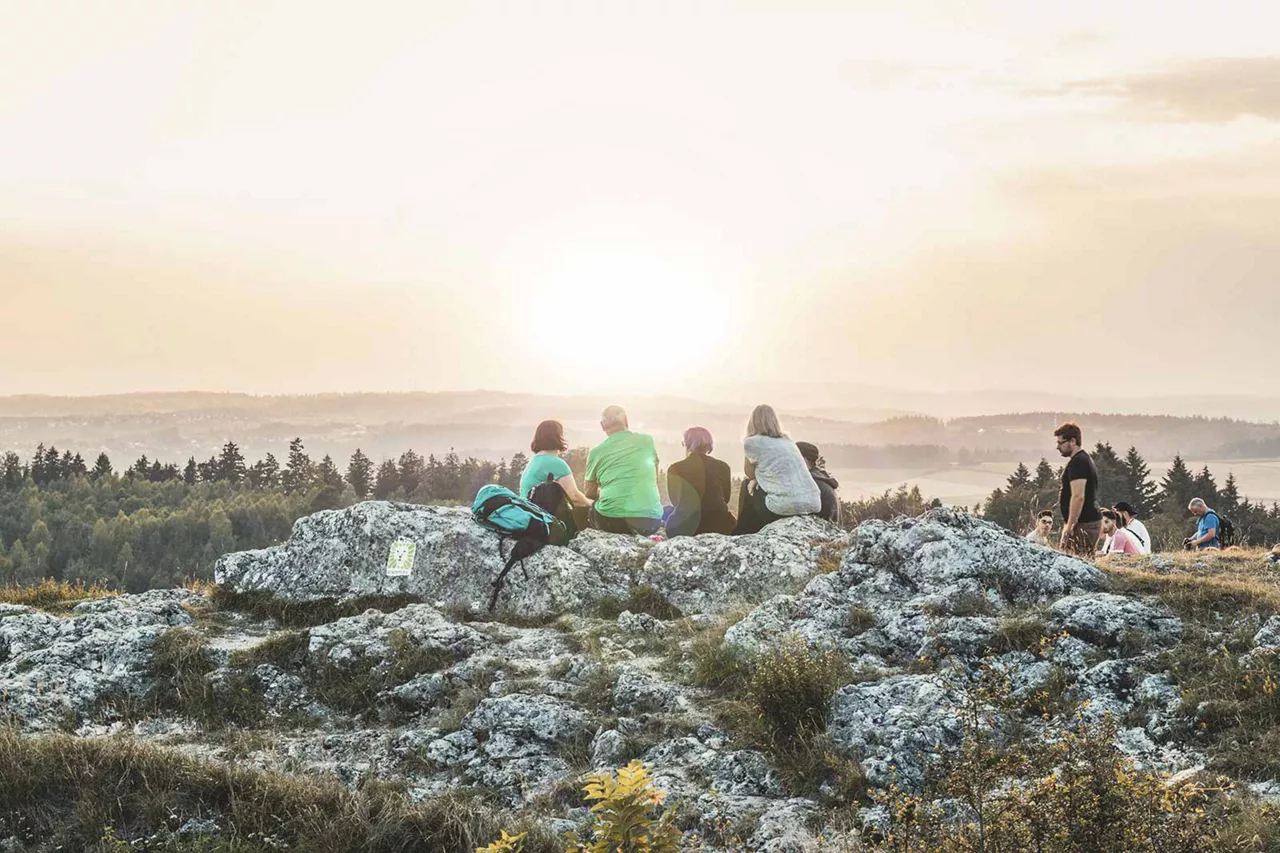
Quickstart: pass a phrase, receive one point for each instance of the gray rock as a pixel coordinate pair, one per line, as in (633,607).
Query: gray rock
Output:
(1105,619)
(895,726)
(607,749)
(344,553)
(1269,635)
(912,587)
(527,717)
(54,671)
(641,623)
(359,642)
(636,692)
(714,574)
(783,828)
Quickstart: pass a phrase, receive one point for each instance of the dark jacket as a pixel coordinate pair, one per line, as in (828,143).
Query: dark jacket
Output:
(827,486)
(699,488)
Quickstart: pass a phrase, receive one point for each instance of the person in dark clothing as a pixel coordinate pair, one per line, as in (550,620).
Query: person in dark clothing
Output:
(1078,497)
(827,484)
(699,488)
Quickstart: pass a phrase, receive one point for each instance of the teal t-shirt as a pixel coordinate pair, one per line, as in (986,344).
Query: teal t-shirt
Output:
(537,470)
(625,466)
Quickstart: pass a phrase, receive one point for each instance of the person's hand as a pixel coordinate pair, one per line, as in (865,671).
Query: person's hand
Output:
(1067,530)
(751,487)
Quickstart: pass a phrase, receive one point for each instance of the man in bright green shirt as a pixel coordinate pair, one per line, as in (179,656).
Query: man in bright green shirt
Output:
(622,478)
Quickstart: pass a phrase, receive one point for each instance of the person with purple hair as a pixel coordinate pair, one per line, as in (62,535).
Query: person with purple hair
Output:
(699,487)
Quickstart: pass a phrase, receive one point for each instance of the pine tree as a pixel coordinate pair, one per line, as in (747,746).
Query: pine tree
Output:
(231,464)
(516,470)
(416,474)
(388,480)
(156,472)
(67,465)
(191,473)
(1176,489)
(1021,477)
(1205,487)
(142,468)
(1229,496)
(37,466)
(52,465)
(1112,476)
(1045,475)
(208,471)
(1141,490)
(360,474)
(329,479)
(101,468)
(299,471)
(12,476)
(78,468)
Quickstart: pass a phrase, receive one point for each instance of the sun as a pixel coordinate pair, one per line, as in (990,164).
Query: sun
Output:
(632,319)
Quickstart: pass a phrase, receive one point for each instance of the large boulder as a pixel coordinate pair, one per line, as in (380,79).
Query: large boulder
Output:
(914,587)
(57,670)
(345,554)
(713,573)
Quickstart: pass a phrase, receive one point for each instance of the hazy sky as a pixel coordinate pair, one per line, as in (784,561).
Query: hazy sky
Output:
(565,197)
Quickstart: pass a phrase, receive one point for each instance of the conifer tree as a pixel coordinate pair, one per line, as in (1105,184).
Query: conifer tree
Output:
(360,474)
(12,476)
(329,479)
(1205,487)
(1045,475)
(1229,496)
(1176,489)
(416,475)
(1021,477)
(101,468)
(299,471)
(1141,490)
(37,466)
(388,480)
(231,467)
(191,473)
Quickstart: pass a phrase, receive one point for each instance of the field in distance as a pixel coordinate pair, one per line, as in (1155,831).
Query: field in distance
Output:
(1257,479)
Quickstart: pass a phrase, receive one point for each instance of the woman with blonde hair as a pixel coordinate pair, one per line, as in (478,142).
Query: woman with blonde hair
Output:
(778,482)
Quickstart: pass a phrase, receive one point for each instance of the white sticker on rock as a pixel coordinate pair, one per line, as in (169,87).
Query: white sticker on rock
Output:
(400,561)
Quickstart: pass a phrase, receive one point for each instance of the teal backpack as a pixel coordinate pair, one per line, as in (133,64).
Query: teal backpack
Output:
(504,512)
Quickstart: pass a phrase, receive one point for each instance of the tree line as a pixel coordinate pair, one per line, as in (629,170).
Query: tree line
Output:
(155,524)
(1161,505)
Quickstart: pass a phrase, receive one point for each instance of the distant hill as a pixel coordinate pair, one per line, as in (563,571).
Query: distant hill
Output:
(174,426)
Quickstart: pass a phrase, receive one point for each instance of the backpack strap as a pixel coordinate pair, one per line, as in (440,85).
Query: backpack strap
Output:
(1136,535)
(491,506)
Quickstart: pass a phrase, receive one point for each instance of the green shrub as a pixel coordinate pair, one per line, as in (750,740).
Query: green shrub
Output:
(791,687)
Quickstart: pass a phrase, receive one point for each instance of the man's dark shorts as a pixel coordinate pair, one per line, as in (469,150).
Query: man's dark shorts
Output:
(633,526)
(1084,542)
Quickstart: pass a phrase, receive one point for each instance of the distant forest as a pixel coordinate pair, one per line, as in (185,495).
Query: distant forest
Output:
(156,524)
(1161,505)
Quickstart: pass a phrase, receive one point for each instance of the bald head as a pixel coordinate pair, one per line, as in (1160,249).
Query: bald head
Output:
(613,419)
(1198,507)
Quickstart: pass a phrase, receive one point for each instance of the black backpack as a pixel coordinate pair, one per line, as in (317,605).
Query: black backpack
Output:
(529,524)
(1226,531)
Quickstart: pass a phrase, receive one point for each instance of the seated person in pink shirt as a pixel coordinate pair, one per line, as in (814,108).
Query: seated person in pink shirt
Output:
(1119,540)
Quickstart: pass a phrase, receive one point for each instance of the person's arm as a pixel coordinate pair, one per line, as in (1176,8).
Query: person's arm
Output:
(1209,535)
(571,492)
(1077,507)
(726,481)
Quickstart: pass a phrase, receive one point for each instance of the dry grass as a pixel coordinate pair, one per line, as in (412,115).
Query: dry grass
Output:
(261,604)
(55,595)
(67,793)
(1205,589)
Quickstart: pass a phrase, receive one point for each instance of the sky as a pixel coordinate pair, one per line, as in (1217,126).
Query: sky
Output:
(275,197)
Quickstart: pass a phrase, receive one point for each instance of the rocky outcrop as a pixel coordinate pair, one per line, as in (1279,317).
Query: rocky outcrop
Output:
(921,587)
(924,609)
(346,554)
(55,670)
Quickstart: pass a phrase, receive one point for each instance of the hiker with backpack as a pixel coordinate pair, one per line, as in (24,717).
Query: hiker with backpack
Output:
(699,487)
(778,482)
(622,479)
(546,469)
(1207,529)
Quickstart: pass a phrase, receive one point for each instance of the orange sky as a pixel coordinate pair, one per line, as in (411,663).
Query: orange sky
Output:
(567,197)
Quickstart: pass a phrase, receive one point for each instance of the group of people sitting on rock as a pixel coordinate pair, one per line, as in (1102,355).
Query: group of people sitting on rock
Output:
(782,478)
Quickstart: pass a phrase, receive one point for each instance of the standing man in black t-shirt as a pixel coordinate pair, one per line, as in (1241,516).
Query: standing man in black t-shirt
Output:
(1078,498)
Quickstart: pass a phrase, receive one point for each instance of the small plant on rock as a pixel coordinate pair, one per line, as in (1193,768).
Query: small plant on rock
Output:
(623,814)
(791,686)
